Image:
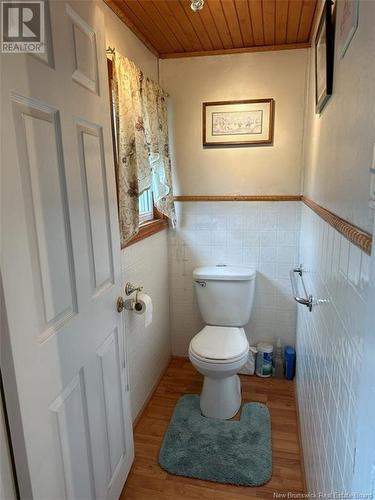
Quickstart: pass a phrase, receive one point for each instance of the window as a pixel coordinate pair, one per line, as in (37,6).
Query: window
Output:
(150,219)
(146,207)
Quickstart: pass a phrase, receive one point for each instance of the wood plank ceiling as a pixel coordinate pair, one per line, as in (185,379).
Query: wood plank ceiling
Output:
(169,28)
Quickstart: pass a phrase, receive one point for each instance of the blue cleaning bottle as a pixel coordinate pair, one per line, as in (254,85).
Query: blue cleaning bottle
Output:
(290,362)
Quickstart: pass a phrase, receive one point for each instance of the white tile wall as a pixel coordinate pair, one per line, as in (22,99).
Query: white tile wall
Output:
(146,263)
(329,353)
(263,235)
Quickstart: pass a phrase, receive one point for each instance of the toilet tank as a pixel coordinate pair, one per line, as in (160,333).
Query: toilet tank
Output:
(225,294)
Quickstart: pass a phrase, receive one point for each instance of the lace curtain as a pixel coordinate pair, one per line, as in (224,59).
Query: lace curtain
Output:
(142,145)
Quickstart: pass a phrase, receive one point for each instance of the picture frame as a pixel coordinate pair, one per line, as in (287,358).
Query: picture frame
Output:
(324,58)
(348,24)
(247,122)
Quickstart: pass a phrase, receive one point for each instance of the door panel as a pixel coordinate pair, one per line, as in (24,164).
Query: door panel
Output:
(60,258)
(84,45)
(43,176)
(70,412)
(90,139)
(109,360)
(47,56)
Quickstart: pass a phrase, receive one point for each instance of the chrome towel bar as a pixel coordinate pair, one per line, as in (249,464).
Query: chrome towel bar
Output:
(308,299)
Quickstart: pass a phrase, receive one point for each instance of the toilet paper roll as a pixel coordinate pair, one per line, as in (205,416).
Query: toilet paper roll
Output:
(143,305)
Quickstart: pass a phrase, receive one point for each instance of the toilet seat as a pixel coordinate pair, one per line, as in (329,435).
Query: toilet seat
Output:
(217,364)
(219,344)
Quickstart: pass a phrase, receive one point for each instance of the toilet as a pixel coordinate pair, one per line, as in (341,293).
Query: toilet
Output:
(225,297)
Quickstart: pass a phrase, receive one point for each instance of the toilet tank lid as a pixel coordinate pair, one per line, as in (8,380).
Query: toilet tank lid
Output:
(224,273)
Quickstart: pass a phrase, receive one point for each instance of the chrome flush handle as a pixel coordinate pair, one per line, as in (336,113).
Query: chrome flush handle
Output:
(201,283)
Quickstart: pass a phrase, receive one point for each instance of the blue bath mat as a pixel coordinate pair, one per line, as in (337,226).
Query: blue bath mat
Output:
(224,451)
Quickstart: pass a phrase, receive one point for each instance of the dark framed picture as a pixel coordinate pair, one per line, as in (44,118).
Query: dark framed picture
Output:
(324,58)
(348,24)
(233,123)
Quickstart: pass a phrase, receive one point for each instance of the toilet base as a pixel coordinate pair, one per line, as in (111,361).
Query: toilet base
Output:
(220,397)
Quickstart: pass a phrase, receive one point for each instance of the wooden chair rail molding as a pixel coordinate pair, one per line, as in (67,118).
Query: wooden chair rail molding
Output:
(352,233)
(235,197)
(355,235)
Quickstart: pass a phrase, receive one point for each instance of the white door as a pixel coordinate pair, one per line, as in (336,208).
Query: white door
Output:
(7,489)
(61,262)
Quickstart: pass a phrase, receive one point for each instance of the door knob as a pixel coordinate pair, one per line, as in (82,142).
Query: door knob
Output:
(120,304)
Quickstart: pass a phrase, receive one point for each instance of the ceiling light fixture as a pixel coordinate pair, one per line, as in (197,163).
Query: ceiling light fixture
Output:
(197,5)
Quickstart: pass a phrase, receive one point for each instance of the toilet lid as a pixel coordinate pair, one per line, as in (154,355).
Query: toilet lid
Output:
(220,342)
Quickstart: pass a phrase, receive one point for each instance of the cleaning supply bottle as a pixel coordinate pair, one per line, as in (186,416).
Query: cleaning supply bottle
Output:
(264,359)
(290,362)
(278,364)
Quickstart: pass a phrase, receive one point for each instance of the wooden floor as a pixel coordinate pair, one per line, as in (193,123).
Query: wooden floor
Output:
(148,481)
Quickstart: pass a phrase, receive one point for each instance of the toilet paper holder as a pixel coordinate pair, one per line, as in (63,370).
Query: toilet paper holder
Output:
(128,304)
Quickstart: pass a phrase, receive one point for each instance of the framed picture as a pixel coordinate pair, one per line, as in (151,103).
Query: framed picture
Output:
(324,57)
(233,123)
(348,23)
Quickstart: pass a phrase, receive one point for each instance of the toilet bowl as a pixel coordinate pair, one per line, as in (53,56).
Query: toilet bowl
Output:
(221,392)
(219,351)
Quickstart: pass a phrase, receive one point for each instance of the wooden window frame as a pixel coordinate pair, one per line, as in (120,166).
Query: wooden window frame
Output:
(160,221)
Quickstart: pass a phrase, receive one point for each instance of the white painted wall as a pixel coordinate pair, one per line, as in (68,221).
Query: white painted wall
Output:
(329,353)
(260,235)
(236,170)
(145,262)
(339,142)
